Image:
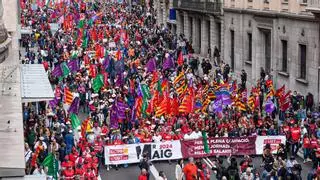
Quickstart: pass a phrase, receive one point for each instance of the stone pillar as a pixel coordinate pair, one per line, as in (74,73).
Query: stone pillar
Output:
(195,35)
(186,28)
(204,38)
(179,23)
(164,14)
(222,40)
(159,12)
(213,34)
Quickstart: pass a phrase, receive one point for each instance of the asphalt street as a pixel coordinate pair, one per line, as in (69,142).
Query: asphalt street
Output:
(132,172)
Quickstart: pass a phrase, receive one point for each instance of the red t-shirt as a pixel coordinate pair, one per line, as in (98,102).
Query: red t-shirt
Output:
(142,177)
(66,164)
(178,137)
(314,143)
(68,173)
(147,139)
(306,142)
(79,171)
(167,137)
(295,134)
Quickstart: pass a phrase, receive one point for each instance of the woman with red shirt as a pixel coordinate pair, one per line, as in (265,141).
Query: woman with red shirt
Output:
(68,173)
(306,147)
(80,171)
(295,138)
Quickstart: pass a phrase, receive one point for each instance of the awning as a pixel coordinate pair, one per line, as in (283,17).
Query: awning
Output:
(35,84)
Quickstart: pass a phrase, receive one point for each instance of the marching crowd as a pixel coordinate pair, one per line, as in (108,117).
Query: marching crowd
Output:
(136,82)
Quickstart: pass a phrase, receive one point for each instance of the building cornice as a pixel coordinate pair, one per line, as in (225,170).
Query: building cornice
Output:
(272,14)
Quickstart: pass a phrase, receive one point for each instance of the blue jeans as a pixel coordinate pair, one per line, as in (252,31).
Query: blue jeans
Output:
(294,148)
(306,153)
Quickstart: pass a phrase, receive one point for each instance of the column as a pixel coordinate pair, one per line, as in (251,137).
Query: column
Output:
(187,32)
(159,13)
(164,14)
(195,35)
(204,37)
(179,23)
(222,40)
(213,34)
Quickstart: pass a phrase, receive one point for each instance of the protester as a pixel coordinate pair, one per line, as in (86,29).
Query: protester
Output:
(178,171)
(143,175)
(118,78)
(190,170)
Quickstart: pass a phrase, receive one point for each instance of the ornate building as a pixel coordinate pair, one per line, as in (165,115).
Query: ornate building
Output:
(11,127)
(280,36)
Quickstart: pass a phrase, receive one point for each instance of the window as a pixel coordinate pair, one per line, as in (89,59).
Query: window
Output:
(250,47)
(284,55)
(303,61)
(304,1)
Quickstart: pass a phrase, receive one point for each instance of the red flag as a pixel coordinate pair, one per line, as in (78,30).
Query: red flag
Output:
(93,71)
(93,34)
(285,97)
(269,83)
(280,91)
(118,55)
(98,51)
(105,78)
(86,60)
(174,105)
(180,59)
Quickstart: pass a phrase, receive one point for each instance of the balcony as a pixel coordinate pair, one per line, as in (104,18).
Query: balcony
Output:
(203,6)
(314,7)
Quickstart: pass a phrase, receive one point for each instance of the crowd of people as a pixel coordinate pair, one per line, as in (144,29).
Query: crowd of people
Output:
(119,78)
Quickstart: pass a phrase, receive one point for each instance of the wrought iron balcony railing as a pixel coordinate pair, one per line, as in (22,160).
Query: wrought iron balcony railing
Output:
(204,6)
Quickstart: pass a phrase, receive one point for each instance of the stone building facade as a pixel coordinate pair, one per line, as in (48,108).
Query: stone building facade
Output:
(200,21)
(280,36)
(11,126)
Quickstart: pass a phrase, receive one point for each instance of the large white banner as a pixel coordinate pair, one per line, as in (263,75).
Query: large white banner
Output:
(274,142)
(132,153)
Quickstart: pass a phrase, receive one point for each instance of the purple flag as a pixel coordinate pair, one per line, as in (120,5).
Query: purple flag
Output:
(57,71)
(168,63)
(226,99)
(113,117)
(73,65)
(74,107)
(106,62)
(119,81)
(269,106)
(151,65)
(217,105)
(53,103)
(121,109)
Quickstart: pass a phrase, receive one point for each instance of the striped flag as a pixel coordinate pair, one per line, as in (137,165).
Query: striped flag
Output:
(138,106)
(68,96)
